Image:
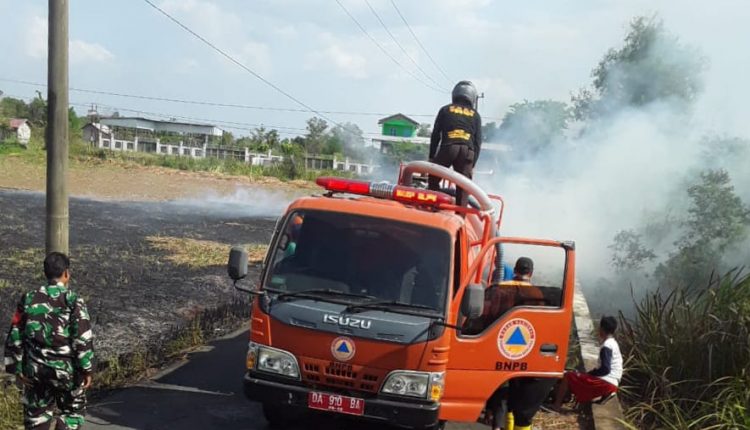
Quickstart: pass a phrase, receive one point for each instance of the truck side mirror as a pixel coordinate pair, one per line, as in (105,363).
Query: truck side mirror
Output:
(237,266)
(472,304)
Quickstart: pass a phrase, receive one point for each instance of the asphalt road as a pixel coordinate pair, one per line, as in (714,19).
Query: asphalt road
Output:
(205,393)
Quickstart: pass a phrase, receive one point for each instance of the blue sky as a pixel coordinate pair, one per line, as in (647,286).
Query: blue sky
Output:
(311,49)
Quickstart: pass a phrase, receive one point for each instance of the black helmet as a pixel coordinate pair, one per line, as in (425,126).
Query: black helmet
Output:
(465,91)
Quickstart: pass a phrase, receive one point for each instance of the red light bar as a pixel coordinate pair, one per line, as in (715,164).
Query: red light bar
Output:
(399,193)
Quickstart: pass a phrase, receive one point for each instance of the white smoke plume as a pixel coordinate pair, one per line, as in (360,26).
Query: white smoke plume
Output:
(627,170)
(243,202)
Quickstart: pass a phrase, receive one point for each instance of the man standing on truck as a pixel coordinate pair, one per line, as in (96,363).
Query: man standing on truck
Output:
(457,136)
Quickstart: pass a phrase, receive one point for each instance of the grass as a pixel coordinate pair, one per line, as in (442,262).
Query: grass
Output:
(198,254)
(25,260)
(11,410)
(688,358)
(126,368)
(84,154)
(87,154)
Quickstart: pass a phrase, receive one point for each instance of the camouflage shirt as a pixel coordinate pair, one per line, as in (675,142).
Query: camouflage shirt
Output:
(50,335)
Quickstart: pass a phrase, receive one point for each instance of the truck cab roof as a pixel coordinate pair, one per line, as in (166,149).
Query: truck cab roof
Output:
(382,208)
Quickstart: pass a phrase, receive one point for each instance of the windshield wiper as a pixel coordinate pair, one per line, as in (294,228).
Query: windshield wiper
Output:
(316,292)
(388,305)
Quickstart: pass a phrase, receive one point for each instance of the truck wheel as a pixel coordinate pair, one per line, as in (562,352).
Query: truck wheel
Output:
(278,416)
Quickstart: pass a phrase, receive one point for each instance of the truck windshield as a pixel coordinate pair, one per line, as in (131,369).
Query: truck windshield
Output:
(369,259)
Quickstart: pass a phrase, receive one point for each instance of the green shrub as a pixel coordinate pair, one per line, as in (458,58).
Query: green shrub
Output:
(688,357)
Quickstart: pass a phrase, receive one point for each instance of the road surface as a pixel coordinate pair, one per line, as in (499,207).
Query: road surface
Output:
(204,392)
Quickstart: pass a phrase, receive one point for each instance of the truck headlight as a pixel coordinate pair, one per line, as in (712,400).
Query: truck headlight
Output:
(272,360)
(252,355)
(422,385)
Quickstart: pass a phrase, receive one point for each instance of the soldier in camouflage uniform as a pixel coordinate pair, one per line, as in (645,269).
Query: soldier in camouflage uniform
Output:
(50,350)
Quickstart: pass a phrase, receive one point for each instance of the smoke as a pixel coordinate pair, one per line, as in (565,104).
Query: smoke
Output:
(626,165)
(241,203)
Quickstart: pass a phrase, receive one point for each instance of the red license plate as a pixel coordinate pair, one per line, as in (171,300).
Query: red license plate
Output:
(336,403)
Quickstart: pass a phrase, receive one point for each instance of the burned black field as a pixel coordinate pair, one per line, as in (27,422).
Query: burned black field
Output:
(148,271)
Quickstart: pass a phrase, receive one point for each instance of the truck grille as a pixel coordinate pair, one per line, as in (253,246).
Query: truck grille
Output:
(340,375)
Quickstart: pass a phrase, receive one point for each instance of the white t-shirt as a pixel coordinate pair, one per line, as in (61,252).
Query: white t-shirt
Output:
(615,365)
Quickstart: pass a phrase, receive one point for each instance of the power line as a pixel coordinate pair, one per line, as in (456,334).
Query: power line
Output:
(294,131)
(243,66)
(387,54)
(387,30)
(211,103)
(434,63)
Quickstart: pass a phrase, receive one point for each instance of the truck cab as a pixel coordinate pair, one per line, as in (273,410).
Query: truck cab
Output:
(387,302)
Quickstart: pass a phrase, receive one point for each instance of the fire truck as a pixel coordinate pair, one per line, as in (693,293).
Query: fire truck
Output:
(373,302)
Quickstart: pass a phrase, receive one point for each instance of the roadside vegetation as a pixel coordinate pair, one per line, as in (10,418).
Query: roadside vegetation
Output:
(200,253)
(11,410)
(83,154)
(688,357)
(675,273)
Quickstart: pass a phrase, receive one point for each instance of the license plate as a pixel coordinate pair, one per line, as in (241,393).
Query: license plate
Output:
(336,403)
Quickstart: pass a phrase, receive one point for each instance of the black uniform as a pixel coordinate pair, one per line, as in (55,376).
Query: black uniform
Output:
(456,141)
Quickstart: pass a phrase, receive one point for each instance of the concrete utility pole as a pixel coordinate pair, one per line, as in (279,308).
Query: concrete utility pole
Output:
(57,128)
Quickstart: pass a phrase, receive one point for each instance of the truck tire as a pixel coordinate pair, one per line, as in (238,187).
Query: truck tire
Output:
(279,416)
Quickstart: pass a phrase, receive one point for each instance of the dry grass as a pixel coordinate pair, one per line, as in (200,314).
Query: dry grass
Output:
(25,260)
(11,411)
(565,421)
(197,254)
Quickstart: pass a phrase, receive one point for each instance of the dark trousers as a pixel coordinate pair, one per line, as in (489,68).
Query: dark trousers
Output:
(461,158)
(526,396)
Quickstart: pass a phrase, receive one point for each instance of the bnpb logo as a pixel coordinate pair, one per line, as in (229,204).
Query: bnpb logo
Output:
(516,339)
(343,349)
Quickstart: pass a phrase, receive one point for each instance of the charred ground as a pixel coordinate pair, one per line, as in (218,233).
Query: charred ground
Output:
(124,265)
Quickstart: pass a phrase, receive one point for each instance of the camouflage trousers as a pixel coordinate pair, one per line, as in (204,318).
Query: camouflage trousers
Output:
(41,400)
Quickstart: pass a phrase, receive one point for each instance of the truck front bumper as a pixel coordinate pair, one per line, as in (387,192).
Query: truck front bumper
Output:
(402,413)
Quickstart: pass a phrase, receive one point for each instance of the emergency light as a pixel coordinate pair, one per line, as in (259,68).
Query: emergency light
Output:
(385,190)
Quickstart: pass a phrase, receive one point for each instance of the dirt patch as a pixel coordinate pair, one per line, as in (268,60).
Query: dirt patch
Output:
(118,180)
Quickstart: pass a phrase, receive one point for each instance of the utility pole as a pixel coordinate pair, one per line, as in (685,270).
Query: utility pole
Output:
(57,128)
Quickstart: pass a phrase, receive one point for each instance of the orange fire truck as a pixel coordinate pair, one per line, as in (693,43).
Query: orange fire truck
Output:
(373,302)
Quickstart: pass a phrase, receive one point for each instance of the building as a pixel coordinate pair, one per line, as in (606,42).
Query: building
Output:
(191,140)
(398,125)
(150,135)
(396,129)
(20,129)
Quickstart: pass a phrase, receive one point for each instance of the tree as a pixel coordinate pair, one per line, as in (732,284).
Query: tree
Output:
(227,138)
(717,215)
(425,130)
(489,131)
(293,154)
(349,135)
(651,66)
(717,220)
(628,253)
(13,108)
(533,126)
(316,135)
(38,111)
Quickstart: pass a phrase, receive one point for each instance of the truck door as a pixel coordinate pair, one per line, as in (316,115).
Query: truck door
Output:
(523,331)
